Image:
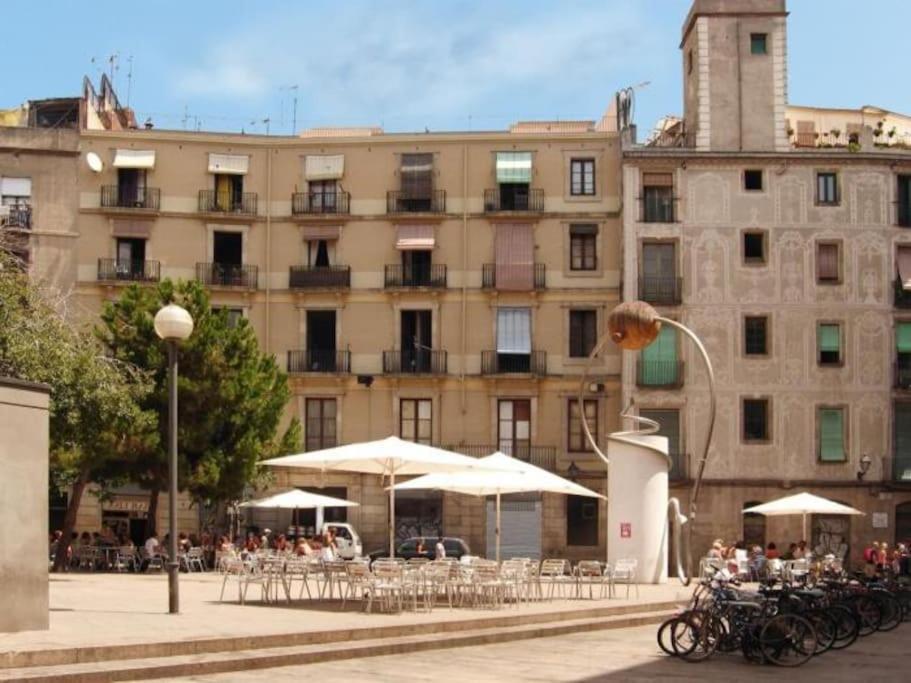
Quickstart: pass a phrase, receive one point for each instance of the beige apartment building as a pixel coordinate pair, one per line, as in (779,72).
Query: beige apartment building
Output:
(442,287)
(781,236)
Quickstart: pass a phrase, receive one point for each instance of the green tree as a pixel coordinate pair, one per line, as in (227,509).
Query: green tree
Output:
(231,395)
(95,416)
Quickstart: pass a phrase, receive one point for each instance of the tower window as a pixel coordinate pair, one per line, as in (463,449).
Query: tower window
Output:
(759,43)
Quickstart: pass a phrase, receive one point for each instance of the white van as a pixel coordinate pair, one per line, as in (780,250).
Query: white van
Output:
(346,538)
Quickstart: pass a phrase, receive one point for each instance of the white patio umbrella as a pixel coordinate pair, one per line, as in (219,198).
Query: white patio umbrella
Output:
(389,457)
(504,475)
(295,499)
(802,504)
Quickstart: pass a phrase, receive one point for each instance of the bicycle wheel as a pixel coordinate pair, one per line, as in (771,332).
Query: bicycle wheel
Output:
(666,636)
(868,614)
(749,644)
(889,608)
(696,637)
(787,640)
(825,627)
(847,626)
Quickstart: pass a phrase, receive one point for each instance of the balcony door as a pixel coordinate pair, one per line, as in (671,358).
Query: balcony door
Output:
(228,249)
(131,185)
(229,191)
(318,253)
(514,427)
(321,356)
(658,365)
(416,340)
(659,272)
(416,266)
(514,340)
(131,256)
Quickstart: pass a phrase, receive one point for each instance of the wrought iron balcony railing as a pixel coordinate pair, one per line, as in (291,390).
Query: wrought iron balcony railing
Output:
(319,203)
(406,202)
(541,456)
(227,275)
(319,360)
(496,199)
(320,277)
(659,373)
(211,201)
(111,269)
(666,290)
(400,276)
(496,363)
(17,217)
(489,276)
(125,197)
(414,362)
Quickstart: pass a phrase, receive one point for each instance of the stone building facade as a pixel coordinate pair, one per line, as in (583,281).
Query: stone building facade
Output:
(784,257)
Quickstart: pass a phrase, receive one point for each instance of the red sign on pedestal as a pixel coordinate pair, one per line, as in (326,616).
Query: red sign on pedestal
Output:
(626,530)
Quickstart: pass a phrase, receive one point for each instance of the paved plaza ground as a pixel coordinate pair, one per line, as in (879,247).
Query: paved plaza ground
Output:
(621,655)
(102,609)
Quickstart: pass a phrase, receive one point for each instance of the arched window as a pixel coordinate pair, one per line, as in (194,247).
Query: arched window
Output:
(753,526)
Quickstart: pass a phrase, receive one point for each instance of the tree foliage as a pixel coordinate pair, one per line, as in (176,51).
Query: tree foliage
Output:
(231,395)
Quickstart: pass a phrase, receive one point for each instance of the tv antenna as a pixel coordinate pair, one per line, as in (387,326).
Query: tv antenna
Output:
(129,79)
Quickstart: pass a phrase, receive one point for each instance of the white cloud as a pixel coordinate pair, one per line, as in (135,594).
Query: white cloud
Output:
(355,63)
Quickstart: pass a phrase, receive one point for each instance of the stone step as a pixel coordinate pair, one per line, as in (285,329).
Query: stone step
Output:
(502,619)
(266,658)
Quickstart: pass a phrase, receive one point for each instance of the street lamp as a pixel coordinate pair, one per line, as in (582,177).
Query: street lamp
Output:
(173,324)
(865,463)
(633,325)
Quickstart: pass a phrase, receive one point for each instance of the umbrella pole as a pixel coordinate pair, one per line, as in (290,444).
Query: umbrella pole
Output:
(498,526)
(392,513)
(804,527)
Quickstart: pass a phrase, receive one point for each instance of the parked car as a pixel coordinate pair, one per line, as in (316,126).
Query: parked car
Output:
(455,547)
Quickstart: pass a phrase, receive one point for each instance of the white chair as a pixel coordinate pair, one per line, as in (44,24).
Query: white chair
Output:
(624,573)
(589,573)
(554,573)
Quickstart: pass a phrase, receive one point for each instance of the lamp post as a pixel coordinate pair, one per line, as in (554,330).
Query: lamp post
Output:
(173,324)
(633,325)
(865,463)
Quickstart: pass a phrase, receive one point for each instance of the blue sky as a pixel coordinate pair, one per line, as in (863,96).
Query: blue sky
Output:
(409,65)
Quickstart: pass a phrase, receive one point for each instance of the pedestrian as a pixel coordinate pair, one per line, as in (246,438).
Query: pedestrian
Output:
(440,549)
(871,557)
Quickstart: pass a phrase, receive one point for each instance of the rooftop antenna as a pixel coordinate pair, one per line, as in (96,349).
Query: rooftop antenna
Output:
(113,61)
(186,116)
(294,114)
(129,79)
(267,121)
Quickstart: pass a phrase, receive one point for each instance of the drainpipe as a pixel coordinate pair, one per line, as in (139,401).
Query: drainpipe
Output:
(268,334)
(739,90)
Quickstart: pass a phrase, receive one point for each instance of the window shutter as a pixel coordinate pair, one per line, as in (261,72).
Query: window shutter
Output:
(827,261)
(829,338)
(903,337)
(831,435)
(660,359)
(515,254)
(417,176)
(575,334)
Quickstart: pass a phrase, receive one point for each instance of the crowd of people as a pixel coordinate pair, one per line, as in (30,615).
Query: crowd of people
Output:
(323,546)
(879,558)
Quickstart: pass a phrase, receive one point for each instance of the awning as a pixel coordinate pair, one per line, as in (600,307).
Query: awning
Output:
(16,187)
(515,255)
(134,158)
(237,164)
(132,228)
(904,267)
(324,167)
(513,167)
(513,330)
(321,232)
(412,237)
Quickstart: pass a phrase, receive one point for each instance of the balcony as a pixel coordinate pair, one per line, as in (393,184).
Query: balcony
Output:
(667,291)
(320,277)
(659,373)
(902,295)
(495,363)
(544,457)
(227,275)
(496,200)
(398,276)
(414,362)
(489,276)
(404,202)
(212,202)
(319,360)
(320,203)
(114,270)
(16,217)
(123,197)
(902,374)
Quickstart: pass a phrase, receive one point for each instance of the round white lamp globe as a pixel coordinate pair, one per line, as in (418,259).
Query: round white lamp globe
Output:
(173,323)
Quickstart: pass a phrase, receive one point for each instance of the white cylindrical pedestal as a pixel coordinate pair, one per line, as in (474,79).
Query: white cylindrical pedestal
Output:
(637,493)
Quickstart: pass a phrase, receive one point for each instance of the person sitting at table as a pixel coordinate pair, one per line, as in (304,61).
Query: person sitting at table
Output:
(800,552)
(281,543)
(252,544)
(328,551)
(303,548)
(716,552)
(771,552)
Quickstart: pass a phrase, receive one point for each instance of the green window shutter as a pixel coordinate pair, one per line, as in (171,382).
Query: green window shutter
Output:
(903,338)
(831,435)
(829,338)
(659,359)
